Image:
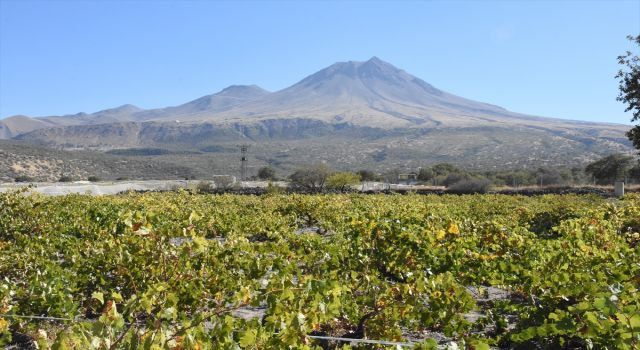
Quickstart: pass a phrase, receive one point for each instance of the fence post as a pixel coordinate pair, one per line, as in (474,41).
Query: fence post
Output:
(619,189)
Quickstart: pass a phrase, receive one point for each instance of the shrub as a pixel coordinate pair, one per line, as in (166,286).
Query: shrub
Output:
(368,175)
(266,173)
(93,178)
(454,178)
(23,178)
(426,174)
(274,189)
(224,182)
(139,152)
(205,187)
(470,186)
(343,180)
(65,178)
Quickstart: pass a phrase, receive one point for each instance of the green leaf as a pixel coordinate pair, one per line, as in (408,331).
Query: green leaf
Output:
(248,339)
(479,345)
(98,296)
(634,321)
(194,216)
(117,297)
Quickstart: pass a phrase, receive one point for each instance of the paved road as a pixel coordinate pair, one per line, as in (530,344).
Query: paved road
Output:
(101,188)
(105,188)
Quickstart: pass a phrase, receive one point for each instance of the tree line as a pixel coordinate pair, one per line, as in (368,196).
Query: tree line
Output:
(604,171)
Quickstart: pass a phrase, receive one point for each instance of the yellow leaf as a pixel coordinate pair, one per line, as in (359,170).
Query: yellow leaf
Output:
(453,229)
(440,235)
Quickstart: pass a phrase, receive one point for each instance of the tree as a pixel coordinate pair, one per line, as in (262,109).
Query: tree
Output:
(65,178)
(312,177)
(444,169)
(610,168)
(23,178)
(630,88)
(455,178)
(553,176)
(426,174)
(342,180)
(367,175)
(634,172)
(391,176)
(266,173)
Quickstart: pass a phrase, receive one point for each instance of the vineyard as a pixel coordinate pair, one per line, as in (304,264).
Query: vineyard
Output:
(190,271)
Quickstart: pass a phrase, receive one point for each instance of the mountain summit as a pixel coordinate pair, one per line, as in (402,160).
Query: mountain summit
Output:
(372,93)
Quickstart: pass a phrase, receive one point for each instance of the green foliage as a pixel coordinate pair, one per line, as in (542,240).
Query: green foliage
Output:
(312,177)
(224,182)
(629,85)
(65,178)
(368,175)
(611,168)
(470,186)
(266,173)
(205,187)
(342,180)
(179,270)
(274,189)
(426,174)
(630,80)
(23,178)
(444,169)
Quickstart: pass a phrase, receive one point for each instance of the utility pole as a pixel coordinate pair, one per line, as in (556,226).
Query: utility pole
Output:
(243,162)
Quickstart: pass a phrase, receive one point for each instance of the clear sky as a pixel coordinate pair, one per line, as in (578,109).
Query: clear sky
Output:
(547,58)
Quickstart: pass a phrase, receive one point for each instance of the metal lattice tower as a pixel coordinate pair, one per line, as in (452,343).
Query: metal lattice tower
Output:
(243,162)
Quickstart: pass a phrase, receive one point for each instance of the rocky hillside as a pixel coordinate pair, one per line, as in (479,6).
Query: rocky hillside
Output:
(28,162)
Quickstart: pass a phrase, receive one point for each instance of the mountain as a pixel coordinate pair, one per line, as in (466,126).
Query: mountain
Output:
(367,108)
(226,99)
(372,93)
(20,124)
(223,100)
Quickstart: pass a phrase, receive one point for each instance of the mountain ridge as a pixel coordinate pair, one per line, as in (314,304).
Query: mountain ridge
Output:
(374,86)
(358,102)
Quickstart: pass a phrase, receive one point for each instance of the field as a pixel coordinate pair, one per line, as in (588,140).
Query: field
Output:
(180,270)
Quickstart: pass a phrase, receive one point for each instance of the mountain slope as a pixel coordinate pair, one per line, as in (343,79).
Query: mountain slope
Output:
(226,99)
(20,124)
(19,159)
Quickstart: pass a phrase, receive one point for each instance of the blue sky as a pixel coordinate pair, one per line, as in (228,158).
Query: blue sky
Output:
(548,58)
